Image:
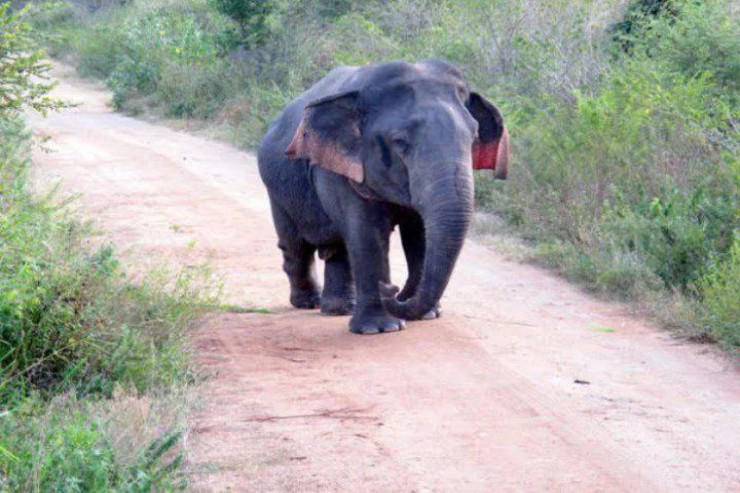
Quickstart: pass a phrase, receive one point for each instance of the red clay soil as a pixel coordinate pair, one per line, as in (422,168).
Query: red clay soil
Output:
(524,384)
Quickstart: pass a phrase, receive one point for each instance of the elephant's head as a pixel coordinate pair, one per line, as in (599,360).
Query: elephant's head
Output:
(411,134)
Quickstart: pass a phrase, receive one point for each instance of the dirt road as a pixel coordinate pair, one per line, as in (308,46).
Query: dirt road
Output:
(525,384)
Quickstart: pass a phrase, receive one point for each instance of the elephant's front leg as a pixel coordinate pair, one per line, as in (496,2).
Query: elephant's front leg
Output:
(413,241)
(367,245)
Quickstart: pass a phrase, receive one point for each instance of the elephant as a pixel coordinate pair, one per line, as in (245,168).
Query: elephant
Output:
(362,151)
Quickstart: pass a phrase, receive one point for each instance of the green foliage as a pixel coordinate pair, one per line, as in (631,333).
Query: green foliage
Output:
(23,73)
(248,116)
(71,445)
(696,38)
(99,52)
(251,15)
(632,170)
(53,23)
(70,317)
(637,19)
(71,321)
(720,288)
(171,57)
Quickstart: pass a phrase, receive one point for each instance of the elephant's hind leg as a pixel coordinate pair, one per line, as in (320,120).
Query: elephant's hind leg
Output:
(338,297)
(298,261)
(299,265)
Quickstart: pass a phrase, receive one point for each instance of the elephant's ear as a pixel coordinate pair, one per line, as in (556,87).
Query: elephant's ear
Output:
(491,148)
(329,136)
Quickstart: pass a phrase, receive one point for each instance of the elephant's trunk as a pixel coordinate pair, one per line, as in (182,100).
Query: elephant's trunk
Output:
(446,213)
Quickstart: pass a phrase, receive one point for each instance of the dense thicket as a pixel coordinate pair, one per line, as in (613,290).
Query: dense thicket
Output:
(624,116)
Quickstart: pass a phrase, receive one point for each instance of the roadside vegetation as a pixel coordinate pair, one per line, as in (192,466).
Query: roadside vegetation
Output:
(94,366)
(624,114)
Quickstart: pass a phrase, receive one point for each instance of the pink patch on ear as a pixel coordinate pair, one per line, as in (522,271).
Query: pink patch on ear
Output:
(494,155)
(296,148)
(484,155)
(305,145)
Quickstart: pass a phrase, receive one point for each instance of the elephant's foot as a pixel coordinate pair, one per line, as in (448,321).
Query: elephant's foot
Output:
(435,312)
(375,323)
(337,305)
(305,300)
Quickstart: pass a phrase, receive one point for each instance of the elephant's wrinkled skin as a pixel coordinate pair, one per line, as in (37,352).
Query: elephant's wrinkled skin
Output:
(363,150)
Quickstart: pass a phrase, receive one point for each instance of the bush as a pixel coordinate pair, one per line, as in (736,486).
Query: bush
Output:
(196,90)
(251,15)
(70,444)
(54,23)
(23,72)
(720,289)
(635,169)
(161,45)
(72,322)
(697,38)
(69,317)
(98,52)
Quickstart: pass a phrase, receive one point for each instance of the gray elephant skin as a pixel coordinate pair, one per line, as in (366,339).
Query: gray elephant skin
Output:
(362,151)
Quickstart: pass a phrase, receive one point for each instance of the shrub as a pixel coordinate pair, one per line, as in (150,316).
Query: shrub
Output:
(697,38)
(196,90)
(637,19)
(71,321)
(55,24)
(70,444)
(251,15)
(23,72)
(720,288)
(634,170)
(69,316)
(98,52)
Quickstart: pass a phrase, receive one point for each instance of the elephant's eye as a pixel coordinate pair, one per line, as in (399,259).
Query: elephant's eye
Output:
(385,152)
(401,146)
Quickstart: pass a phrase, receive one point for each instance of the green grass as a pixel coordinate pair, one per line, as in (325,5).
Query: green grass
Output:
(626,166)
(245,309)
(94,364)
(603,330)
(76,444)
(75,333)
(72,317)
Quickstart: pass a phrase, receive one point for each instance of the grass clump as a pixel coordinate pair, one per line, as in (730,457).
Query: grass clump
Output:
(71,317)
(82,344)
(74,444)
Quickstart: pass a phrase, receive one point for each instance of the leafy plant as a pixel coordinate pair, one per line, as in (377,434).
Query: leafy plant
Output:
(250,15)
(24,80)
(69,444)
(720,289)
(74,329)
